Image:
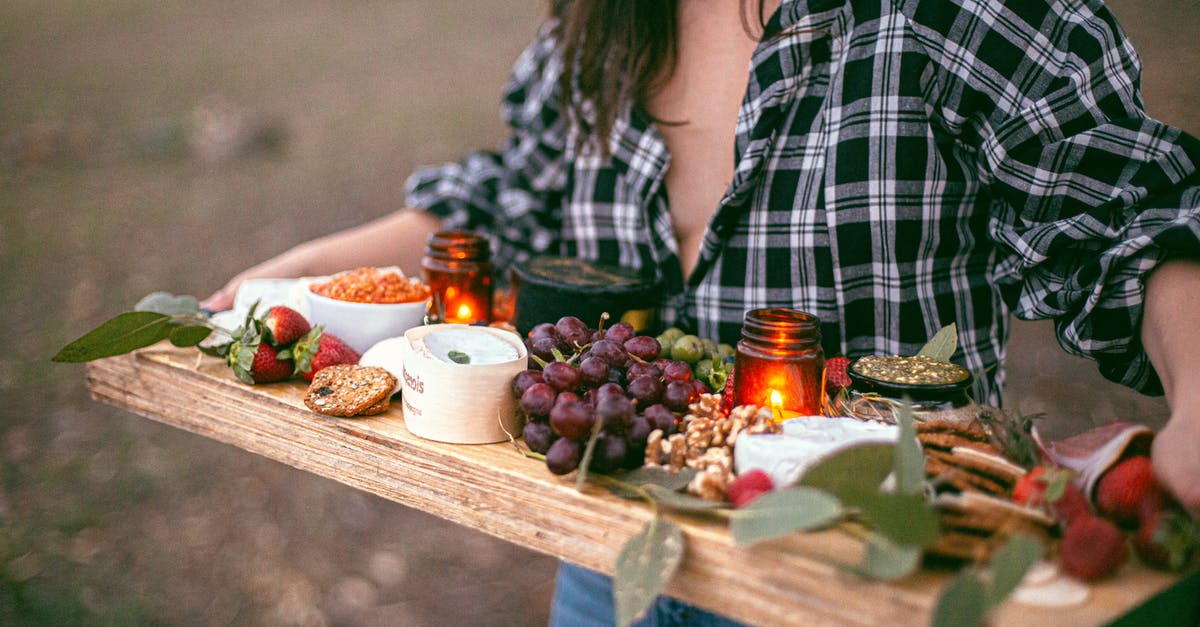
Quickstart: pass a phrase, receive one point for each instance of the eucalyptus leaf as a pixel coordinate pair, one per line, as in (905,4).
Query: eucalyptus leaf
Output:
(680,501)
(909,461)
(659,476)
(781,512)
(963,602)
(190,335)
(169,304)
(459,357)
(119,335)
(902,518)
(858,469)
(1010,564)
(943,343)
(644,567)
(885,560)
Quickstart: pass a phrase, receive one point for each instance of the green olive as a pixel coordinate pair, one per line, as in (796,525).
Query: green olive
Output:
(687,348)
(710,348)
(703,369)
(725,350)
(667,338)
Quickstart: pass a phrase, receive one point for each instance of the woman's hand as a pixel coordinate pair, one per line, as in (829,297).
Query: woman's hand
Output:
(395,239)
(1171,333)
(285,266)
(1176,456)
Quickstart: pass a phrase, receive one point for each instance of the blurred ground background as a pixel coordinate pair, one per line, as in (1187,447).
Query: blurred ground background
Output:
(167,145)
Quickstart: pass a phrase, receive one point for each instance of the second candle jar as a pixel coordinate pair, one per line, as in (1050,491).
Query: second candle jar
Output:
(779,362)
(458,269)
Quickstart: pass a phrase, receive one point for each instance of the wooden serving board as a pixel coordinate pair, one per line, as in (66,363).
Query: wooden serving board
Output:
(495,489)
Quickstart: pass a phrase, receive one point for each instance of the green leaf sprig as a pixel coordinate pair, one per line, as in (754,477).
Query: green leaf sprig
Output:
(968,597)
(157,317)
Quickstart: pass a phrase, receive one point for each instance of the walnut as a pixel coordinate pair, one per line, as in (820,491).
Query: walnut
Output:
(676,450)
(708,437)
(705,443)
(654,446)
(709,484)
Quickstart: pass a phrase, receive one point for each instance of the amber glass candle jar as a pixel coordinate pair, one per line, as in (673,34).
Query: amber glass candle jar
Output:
(779,362)
(458,269)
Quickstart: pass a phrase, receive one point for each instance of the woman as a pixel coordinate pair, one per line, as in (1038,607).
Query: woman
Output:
(890,167)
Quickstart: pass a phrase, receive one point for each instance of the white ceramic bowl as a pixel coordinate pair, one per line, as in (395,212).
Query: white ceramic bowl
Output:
(362,325)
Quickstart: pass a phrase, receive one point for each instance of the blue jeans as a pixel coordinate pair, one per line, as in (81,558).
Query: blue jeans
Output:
(584,598)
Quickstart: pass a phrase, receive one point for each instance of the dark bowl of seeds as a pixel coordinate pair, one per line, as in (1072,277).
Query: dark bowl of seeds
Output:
(919,377)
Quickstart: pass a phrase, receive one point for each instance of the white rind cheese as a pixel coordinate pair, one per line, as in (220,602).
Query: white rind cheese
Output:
(786,456)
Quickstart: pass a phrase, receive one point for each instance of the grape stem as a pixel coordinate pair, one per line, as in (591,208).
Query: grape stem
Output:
(588,451)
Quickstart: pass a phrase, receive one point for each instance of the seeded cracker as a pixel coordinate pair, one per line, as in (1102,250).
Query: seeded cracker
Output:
(346,390)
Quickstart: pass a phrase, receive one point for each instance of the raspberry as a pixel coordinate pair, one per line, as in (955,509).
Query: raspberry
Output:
(727,394)
(836,378)
(747,487)
(1071,505)
(1092,548)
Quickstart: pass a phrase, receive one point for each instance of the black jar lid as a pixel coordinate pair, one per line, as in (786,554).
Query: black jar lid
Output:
(548,288)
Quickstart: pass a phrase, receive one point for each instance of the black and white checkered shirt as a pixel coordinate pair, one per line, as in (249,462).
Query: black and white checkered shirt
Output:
(900,165)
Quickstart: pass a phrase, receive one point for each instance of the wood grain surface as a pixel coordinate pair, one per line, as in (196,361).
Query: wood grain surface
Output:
(495,489)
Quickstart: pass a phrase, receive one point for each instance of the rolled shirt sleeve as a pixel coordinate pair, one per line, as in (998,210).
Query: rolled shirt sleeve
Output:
(511,194)
(1087,194)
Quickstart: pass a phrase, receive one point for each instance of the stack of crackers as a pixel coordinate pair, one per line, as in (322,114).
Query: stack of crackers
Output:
(976,512)
(350,390)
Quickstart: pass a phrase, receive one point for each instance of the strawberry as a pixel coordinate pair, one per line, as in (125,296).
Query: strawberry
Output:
(1071,505)
(255,361)
(1166,537)
(1030,490)
(836,378)
(747,487)
(1122,488)
(283,325)
(317,350)
(1091,548)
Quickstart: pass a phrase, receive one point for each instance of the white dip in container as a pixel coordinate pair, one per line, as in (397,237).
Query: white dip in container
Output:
(456,383)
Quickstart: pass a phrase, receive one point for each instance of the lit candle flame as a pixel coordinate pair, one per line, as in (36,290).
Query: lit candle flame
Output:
(464,312)
(777,404)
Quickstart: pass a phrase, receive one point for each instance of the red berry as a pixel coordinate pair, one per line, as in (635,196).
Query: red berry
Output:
(266,366)
(747,487)
(284,325)
(1071,505)
(1092,548)
(836,378)
(1030,490)
(318,350)
(1166,537)
(1122,488)
(727,394)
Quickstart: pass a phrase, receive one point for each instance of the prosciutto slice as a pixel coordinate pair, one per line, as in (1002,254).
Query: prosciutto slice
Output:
(1093,452)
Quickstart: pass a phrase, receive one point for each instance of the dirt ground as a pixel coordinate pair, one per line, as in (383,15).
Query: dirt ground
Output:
(167,145)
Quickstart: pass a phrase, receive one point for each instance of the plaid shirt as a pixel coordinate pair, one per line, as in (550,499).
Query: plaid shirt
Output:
(899,166)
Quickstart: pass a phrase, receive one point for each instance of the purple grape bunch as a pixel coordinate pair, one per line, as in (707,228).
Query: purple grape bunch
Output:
(579,376)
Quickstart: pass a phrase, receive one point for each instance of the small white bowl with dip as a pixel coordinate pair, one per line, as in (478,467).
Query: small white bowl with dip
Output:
(456,383)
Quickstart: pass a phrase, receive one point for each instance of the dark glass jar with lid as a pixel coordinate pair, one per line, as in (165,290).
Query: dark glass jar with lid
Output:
(779,362)
(458,268)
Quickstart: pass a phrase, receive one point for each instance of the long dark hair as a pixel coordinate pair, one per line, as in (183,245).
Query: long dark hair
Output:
(616,50)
